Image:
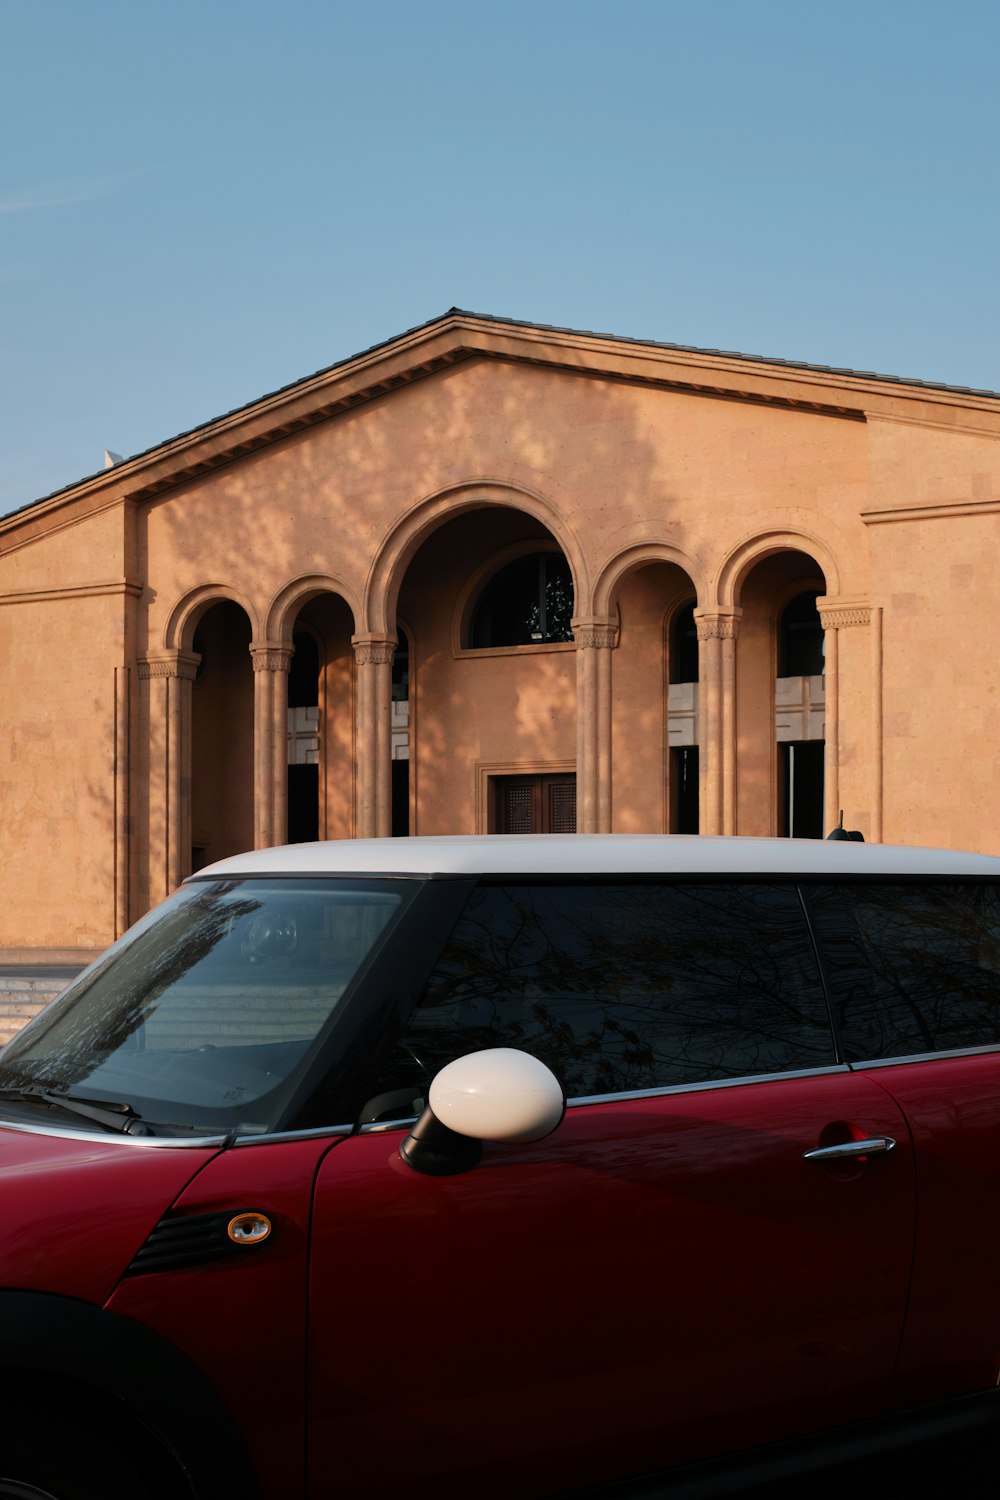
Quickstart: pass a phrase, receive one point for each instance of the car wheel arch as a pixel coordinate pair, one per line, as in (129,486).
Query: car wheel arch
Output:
(81,1356)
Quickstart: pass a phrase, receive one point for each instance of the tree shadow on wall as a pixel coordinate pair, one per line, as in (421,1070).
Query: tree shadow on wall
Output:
(326,500)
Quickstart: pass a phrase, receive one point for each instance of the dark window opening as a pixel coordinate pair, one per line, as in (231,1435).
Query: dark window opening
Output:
(303,673)
(401,669)
(303,743)
(800,638)
(534,804)
(684,645)
(684,803)
(400,798)
(198,647)
(401,744)
(303,804)
(529,602)
(800,789)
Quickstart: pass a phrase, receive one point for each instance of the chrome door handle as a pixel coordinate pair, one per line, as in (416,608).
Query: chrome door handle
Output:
(850,1149)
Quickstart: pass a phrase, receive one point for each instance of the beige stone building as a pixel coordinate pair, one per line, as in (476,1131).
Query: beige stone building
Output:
(490,575)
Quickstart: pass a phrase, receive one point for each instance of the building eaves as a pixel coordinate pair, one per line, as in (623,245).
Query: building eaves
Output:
(765,361)
(751,359)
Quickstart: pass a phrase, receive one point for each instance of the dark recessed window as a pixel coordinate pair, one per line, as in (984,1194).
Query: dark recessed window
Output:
(303,672)
(800,638)
(401,668)
(198,646)
(528,603)
(684,645)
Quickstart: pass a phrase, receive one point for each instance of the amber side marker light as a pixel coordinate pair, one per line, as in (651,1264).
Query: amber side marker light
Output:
(249,1229)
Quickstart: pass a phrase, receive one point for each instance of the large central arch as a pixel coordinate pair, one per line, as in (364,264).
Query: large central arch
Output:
(390,564)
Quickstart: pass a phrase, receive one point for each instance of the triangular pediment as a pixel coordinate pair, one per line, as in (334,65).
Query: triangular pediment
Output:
(458,336)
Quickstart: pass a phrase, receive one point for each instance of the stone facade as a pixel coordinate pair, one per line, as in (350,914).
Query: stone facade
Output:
(154,618)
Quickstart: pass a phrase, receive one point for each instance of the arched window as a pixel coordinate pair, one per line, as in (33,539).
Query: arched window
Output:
(800,638)
(529,602)
(684,645)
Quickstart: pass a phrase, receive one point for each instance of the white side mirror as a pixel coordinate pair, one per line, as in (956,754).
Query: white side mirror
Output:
(497,1095)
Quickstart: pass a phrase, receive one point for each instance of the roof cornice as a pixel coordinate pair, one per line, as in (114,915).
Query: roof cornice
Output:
(460,335)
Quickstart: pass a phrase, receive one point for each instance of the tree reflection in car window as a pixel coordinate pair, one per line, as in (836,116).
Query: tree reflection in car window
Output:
(620,987)
(913,968)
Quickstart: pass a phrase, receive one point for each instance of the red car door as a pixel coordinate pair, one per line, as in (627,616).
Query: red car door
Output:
(915,972)
(667,1277)
(663,1279)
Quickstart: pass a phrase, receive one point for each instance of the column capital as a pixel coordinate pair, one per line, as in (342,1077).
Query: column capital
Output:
(374,650)
(183,664)
(717,624)
(837,611)
(594,633)
(271,656)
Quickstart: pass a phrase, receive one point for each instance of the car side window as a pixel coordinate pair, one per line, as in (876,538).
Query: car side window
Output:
(912,968)
(622,986)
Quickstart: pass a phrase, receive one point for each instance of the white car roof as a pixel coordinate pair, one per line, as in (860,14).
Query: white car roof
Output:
(603,854)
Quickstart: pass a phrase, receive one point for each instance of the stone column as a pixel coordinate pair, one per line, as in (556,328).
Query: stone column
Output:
(836,614)
(171,674)
(595,639)
(373,656)
(271,661)
(717,632)
(122,796)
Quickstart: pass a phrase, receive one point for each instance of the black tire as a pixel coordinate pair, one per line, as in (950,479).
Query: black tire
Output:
(72,1461)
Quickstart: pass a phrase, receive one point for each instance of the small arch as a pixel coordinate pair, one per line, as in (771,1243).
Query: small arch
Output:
(744,558)
(637,556)
(397,551)
(220,773)
(293,596)
(186,613)
(318,623)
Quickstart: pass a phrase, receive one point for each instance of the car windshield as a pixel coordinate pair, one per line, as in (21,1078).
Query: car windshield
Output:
(204,1016)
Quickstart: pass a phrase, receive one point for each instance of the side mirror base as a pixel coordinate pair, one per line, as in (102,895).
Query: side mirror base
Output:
(436,1151)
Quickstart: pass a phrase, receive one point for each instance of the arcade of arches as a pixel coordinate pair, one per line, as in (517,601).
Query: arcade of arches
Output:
(496,578)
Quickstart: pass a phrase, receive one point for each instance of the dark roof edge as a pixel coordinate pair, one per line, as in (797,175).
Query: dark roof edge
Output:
(462,312)
(752,359)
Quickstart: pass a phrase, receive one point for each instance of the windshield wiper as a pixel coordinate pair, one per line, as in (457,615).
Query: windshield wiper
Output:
(111,1113)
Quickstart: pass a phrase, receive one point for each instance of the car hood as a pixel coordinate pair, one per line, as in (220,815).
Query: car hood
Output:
(74,1209)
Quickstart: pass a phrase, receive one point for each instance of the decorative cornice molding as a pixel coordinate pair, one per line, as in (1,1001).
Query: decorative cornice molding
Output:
(182,664)
(374,650)
(934,511)
(717,626)
(907,419)
(593,633)
(122,586)
(271,656)
(836,616)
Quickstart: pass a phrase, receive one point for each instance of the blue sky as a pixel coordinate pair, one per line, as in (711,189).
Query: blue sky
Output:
(200,202)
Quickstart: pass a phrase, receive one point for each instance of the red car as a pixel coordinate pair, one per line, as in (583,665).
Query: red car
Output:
(507,1166)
